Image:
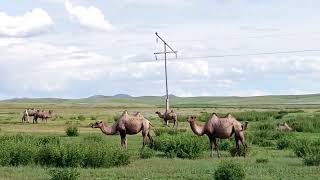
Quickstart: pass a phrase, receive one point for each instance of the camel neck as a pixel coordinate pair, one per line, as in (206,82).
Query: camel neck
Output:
(197,129)
(108,130)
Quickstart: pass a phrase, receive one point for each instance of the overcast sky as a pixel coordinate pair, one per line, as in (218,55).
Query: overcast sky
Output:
(79,48)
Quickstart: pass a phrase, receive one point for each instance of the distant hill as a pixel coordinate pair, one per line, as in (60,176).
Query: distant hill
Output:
(122,96)
(125,100)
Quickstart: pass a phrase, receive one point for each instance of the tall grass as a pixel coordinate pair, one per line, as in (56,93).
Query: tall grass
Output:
(48,151)
(305,122)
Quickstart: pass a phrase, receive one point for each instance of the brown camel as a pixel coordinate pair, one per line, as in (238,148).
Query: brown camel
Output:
(222,128)
(127,125)
(169,116)
(27,113)
(44,116)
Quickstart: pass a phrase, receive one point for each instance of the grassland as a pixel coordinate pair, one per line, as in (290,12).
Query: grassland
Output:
(281,164)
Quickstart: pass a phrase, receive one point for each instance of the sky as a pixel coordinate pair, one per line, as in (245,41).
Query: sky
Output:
(79,48)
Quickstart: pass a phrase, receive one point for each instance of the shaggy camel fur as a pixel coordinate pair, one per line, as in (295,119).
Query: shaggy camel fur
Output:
(44,116)
(222,128)
(127,125)
(27,113)
(167,116)
(284,127)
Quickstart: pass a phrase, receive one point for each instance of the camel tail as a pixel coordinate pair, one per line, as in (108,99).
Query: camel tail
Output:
(151,124)
(245,126)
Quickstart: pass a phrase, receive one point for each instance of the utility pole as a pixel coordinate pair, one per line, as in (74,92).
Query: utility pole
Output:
(165,65)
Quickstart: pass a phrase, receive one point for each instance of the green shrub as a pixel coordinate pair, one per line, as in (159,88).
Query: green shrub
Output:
(180,145)
(283,143)
(117,157)
(228,170)
(93,118)
(72,131)
(81,118)
(305,122)
(262,160)
(266,126)
(225,145)
(15,154)
(64,174)
(233,151)
(50,155)
(146,153)
(309,150)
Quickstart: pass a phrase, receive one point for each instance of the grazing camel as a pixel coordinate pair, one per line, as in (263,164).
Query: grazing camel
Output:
(44,116)
(285,127)
(27,113)
(127,125)
(169,116)
(222,128)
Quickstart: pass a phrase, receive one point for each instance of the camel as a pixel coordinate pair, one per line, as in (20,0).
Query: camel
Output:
(27,113)
(222,128)
(285,127)
(44,116)
(127,124)
(169,116)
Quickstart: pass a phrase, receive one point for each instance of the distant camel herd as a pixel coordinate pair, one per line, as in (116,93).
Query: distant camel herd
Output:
(36,114)
(215,127)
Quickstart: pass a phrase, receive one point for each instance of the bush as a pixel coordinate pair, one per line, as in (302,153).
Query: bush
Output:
(50,155)
(233,151)
(180,145)
(305,122)
(283,143)
(81,118)
(225,145)
(308,150)
(229,170)
(16,153)
(72,131)
(50,152)
(146,153)
(93,118)
(262,160)
(266,126)
(64,174)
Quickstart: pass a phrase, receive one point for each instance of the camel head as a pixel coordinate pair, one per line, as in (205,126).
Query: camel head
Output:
(192,118)
(97,124)
(157,112)
(50,111)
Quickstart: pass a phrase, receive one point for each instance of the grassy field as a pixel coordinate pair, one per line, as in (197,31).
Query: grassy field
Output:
(280,163)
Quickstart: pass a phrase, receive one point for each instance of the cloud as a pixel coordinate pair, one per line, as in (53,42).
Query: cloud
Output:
(90,17)
(31,23)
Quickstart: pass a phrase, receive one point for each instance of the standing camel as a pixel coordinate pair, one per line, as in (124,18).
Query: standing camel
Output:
(169,116)
(27,113)
(127,124)
(44,116)
(222,128)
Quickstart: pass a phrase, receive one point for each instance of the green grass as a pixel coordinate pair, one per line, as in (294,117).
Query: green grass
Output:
(281,163)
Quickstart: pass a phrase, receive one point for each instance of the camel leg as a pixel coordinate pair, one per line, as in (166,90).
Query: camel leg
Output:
(150,138)
(211,146)
(144,138)
(216,146)
(176,122)
(123,139)
(243,142)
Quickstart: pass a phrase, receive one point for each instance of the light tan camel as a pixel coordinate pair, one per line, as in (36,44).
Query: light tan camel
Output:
(44,116)
(222,128)
(285,127)
(167,116)
(127,125)
(27,113)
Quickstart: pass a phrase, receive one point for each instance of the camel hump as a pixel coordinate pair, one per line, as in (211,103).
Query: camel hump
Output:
(229,116)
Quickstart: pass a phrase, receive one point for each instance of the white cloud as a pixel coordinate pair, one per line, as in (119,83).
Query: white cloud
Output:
(31,23)
(159,3)
(90,17)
